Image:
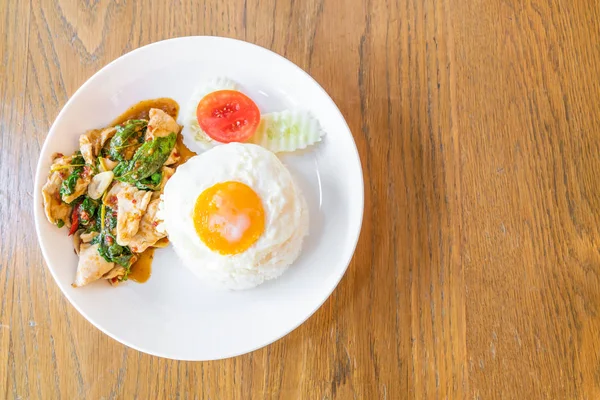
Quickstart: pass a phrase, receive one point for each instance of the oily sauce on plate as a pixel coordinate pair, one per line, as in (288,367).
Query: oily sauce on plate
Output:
(142,268)
(142,109)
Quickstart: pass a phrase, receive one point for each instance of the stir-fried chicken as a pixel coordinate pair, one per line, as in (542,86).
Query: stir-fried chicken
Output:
(147,235)
(108,199)
(161,124)
(131,205)
(116,272)
(54,208)
(91,265)
(92,141)
(83,180)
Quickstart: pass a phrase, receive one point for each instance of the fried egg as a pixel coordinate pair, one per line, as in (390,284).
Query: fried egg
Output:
(235,215)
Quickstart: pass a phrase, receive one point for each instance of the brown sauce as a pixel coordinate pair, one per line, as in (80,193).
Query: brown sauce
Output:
(141,109)
(184,152)
(142,268)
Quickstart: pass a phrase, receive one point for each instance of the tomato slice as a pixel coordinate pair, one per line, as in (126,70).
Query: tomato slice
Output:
(228,116)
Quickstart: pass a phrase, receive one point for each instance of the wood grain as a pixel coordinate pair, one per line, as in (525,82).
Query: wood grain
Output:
(477,274)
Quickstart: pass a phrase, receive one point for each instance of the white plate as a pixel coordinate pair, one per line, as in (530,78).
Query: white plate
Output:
(175,315)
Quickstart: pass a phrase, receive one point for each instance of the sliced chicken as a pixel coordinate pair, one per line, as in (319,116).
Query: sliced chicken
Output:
(92,141)
(116,272)
(91,266)
(84,179)
(164,242)
(54,208)
(87,237)
(160,124)
(107,133)
(62,165)
(61,169)
(147,235)
(111,197)
(59,159)
(167,173)
(87,145)
(131,205)
(174,157)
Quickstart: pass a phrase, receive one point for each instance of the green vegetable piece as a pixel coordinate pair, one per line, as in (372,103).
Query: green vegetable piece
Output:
(108,247)
(68,185)
(60,223)
(127,135)
(111,219)
(121,168)
(156,178)
(150,183)
(147,160)
(88,210)
(111,251)
(287,131)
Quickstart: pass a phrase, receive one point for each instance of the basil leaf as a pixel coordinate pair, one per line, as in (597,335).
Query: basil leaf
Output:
(111,251)
(88,210)
(148,159)
(67,187)
(77,158)
(110,222)
(156,178)
(150,183)
(128,135)
(97,239)
(111,219)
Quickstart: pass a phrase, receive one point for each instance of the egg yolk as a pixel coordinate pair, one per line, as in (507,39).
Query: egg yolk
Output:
(229,217)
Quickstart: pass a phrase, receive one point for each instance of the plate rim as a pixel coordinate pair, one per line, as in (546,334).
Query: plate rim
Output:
(38,198)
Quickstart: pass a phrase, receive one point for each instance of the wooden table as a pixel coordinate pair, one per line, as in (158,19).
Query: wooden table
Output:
(477,271)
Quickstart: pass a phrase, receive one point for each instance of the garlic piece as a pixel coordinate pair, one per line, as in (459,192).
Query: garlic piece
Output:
(99,184)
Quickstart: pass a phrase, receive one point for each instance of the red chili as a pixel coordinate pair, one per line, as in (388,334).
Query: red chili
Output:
(74,219)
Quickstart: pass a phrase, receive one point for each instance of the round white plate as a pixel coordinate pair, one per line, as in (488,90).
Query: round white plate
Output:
(175,315)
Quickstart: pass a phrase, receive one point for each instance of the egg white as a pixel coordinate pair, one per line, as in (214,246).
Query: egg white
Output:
(286,215)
